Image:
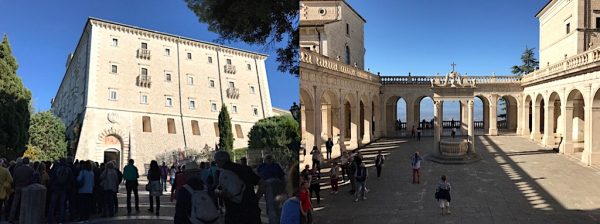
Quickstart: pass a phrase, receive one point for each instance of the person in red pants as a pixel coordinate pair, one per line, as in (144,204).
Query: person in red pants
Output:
(416,165)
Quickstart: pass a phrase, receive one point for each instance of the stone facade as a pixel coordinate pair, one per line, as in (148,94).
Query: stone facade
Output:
(557,106)
(135,93)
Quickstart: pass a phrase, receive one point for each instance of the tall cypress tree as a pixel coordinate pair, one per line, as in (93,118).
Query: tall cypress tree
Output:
(225,132)
(14,105)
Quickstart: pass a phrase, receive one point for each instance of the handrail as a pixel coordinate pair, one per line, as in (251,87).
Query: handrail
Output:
(576,61)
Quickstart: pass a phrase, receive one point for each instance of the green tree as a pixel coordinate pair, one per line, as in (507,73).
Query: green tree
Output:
(260,22)
(46,137)
(277,135)
(530,63)
(14,105)
(225,132)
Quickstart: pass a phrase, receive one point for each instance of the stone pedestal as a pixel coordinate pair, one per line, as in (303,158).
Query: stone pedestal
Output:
(33,204)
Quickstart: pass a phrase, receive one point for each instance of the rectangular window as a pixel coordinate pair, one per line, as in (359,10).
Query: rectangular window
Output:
(238,131)
(597,22)
(144,71)
(231,84)
(248,66)
(211,83)
(255,111)
(190,80)
(112,94)
(167,52)
(189,56)
(169,101)
(213,107)
(234,109)
(217,132)
(115,42)
(168,77)
(146,125)
(347,29)
(252,91)
(210,60)
(195,128)
(171,126)
(193,104)
(228,61)
(113,69)
(144,45)
(568,28)
(144,99)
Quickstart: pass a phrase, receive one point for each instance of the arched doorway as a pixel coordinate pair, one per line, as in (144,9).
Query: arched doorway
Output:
(552,138)
(112,150)
(329,116)
(424,113)
(538,119)
(507,114)
(574,135)
(595,129)
(307,119)
(481,114)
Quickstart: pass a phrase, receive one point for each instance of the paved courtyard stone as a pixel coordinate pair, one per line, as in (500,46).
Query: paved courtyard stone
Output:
(517,181)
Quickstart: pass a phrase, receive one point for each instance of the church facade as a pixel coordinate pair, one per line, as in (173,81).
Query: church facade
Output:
(557,106)
(130,92)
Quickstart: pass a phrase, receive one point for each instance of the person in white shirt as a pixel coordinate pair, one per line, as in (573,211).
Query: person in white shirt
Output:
(416,165)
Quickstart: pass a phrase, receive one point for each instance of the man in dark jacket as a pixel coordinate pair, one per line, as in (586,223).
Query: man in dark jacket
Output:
(60,176)
(246,212)
(22,176)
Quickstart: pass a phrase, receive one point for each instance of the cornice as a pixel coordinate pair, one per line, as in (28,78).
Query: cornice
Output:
(146,33)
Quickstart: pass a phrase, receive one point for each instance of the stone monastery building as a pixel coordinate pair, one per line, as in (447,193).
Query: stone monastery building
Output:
(130,92)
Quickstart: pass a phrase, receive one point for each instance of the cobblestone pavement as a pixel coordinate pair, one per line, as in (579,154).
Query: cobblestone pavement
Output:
(517,181)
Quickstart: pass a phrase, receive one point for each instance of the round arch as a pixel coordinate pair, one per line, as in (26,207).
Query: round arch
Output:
(575,122)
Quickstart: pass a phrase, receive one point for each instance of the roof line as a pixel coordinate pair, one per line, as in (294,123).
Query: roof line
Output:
(544,8)
(173,35)
(355,12)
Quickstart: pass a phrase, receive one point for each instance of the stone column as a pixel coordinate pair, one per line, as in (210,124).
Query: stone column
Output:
(342,123)
(410,116)
(587,128)
(493,116)
(471,127)
(464,117)
(525,119)
(548,138)
(437,126)
(383,122)
(367,128)
(568,133)
(318,122)
(519,116)
(535,125)
(355,134)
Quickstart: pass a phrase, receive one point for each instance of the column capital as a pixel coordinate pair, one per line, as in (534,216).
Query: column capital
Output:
(470,103)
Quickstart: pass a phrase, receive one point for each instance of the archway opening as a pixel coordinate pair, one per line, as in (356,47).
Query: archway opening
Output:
(425,115)
(112,155)
(574,136)
(329,118)
(307,119)
(401,117)
(481,114)
(507,114)
(554,131)
(362,122)
(595,128)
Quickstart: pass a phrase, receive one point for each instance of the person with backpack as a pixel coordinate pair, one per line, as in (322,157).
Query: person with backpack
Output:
(194,204)
(85,181)
(361,179)
(60,177)
(155,188)
(131,175)
(416,166)
(109,182)
(164,173)
(379,160)
(236,186)
(442,194)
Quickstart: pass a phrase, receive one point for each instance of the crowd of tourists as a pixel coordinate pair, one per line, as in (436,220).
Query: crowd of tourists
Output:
(351,167)
(220,191)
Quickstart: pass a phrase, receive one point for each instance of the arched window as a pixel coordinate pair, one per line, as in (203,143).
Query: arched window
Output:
(347,54)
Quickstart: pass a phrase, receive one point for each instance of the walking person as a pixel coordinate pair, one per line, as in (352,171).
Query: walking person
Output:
(164,173)
(351,174)
(361,179)
(329,148)
(334,176)
(131,175)
(442,194)
(316,158)
(315,185)
(419,134)
(379,160)
(412,132)
(344,160)
(453,133)
(154,186)
(85,181)
(416,166)
(109,182)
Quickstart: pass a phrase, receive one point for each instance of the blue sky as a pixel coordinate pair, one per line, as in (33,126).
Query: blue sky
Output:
(424,37)
(43,33)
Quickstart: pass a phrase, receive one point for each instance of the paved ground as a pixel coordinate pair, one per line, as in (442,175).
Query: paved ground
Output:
(517,181)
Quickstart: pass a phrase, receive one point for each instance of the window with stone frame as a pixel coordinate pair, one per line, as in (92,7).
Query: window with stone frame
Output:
(192,104)
(167,52)
(228,61)
(211,83)
(171,126)
(238,131)
(209,59)
(114,69)
(195,128)
(144,99)
(115,42)
(146,124)
(213,107)
(249,67)
(168,77)
(252,90)
(189,56)
(144,45)
(112,94)
(168,101)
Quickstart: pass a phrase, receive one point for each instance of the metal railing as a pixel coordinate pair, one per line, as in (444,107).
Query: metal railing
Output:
(143,81)
(233,93)
(143,53)
(228,68)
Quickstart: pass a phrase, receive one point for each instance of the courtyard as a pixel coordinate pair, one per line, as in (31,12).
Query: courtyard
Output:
(517,181)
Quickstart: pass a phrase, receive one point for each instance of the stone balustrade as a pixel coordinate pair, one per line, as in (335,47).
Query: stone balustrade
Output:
(569,65)
(312,58)
(426,80)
